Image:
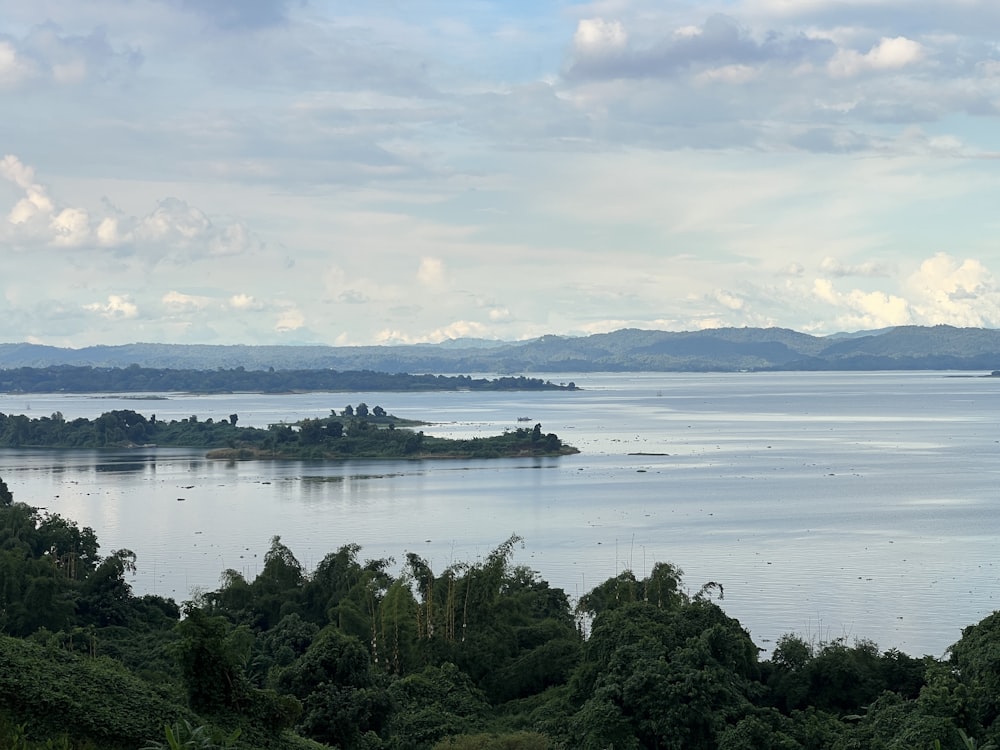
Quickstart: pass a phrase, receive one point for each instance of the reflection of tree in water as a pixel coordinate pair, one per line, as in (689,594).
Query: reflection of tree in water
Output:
(123,466)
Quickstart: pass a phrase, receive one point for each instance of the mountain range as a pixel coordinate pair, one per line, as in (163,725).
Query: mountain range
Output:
(721,349)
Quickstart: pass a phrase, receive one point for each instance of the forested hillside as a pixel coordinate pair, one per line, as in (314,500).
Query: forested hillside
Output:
(720,349)
(393,655)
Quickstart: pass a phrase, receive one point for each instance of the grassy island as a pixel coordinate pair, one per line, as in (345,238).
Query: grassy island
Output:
(356,432)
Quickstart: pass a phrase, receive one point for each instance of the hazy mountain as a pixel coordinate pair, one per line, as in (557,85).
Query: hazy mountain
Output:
(722,349)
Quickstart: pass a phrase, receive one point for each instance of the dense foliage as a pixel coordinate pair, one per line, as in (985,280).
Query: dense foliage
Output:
(371,655)
(135,379)
(358,432)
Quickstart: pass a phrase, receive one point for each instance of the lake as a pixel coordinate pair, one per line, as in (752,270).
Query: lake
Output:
(830,505)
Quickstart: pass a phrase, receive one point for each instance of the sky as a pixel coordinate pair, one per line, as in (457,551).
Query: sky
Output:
(404,171)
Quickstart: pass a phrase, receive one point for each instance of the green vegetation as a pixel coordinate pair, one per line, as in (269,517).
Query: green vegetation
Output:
(358,432)
(367,655)
(135,379)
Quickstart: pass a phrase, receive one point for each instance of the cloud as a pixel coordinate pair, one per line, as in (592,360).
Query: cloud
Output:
(793,270)
(499,314)
(833,268)
(36,202)
(46,56)
(728,300)
(353,297)
(956,293)
(458,329)
(35,215)
(728,74)
(942,290)
(178,301)
(244,302)
(431,271)
(859,310)
(237,14)
(15,69)
(290,319)
(596,37)
(888,54)
(174,227)
(604,49)
(117,307)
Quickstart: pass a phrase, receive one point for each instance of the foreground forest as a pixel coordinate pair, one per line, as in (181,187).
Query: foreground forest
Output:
(392,655)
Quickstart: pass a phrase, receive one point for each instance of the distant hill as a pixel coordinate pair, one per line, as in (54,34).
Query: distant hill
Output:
(721,349)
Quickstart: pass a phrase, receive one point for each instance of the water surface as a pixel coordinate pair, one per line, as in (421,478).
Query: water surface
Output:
(832,505)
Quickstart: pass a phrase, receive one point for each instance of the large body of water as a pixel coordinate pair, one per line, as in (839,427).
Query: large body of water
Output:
(831,505)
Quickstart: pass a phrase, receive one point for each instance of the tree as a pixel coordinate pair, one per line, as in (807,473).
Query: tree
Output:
(311,431)
(976,656)
(277,588)
(670,672)
(334,681)
(433,704)
(210,665)
(106,598)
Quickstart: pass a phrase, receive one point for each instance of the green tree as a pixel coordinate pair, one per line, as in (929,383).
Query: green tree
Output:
(334,681)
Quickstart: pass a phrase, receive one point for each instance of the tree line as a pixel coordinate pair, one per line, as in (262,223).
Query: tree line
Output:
(136,379)
(379,654)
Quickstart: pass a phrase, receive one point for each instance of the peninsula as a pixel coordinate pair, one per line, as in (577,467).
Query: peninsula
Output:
(355,432)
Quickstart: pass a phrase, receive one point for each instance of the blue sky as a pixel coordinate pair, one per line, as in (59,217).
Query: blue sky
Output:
(296,171)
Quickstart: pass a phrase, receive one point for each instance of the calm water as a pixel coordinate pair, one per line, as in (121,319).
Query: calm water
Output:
(858,505)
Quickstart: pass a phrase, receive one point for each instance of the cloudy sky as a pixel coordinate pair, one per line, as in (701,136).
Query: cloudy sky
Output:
(307,171)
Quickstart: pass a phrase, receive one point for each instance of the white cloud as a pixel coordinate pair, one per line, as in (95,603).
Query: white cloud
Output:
(731,74)
(459,329)
(888,54)
(595,36)
(14,69)
(173,221)
(178,301)
(794,270)
(117,307)
(244,302)
(71,227)
(290,319)
(833,267)
(431,271)
(36,201)
(956,293)
(859,310)
(942,290)
(728,300)
(45,55)
(174,227)
(499,314)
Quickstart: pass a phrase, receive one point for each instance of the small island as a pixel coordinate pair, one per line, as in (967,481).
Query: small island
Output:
(354,432)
